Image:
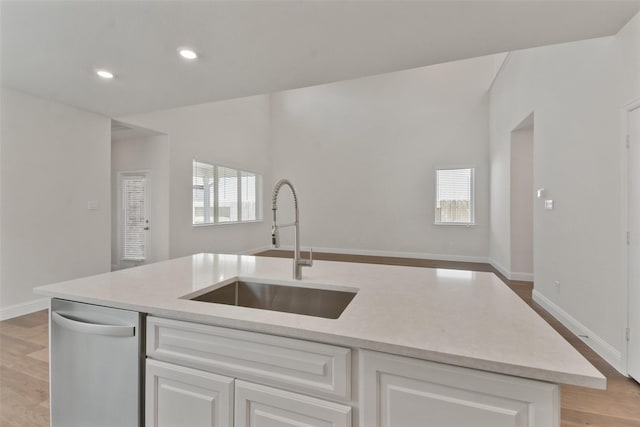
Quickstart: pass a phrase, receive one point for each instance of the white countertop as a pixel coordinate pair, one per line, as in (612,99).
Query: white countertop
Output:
(463,318)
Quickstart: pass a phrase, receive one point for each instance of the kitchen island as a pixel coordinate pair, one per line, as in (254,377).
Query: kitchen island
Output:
(415,346)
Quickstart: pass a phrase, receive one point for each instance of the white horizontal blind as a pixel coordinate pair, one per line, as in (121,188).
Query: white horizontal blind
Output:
(248,196)
(133,191)
(225,195)
(203,193)
(454,196)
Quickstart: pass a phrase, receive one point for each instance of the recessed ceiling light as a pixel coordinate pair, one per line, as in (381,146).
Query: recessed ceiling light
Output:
(188,53)
(104,74)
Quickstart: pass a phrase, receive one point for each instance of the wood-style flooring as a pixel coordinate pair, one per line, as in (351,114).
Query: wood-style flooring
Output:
(24,377)
(24,371)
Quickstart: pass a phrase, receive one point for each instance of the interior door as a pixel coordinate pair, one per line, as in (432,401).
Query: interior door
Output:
(634,244)
(134,222)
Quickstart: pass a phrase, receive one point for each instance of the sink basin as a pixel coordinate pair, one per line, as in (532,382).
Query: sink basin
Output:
(316,302)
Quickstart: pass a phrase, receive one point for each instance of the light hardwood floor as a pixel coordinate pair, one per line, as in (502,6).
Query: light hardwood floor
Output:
(24,363)
(24,371)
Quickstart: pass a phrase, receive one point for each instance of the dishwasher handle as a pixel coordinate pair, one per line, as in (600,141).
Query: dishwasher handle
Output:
(93,328)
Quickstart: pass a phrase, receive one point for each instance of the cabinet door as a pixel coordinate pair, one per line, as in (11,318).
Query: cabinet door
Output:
(177,396)
(261,406)
(402,392)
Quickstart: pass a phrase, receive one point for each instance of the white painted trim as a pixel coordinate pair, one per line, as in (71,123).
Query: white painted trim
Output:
(597,344)
(527,277)
(23,308)
(624,214)
(413,255)
(506,273)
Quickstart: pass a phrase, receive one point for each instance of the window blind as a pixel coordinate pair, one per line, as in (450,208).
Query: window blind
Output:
(133,191)
(227,194)
(248,200)
(222,194)
(454,196)
(203,193)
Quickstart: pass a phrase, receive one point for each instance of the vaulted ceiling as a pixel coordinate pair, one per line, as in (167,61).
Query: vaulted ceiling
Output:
(52,48)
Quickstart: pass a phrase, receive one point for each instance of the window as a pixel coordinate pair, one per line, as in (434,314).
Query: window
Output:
(454,196)
(225,195)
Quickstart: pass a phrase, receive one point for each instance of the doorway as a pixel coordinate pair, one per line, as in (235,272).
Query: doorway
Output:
(139,196)
(633,239)
(522,198)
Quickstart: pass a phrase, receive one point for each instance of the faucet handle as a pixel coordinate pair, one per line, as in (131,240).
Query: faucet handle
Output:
(309,262)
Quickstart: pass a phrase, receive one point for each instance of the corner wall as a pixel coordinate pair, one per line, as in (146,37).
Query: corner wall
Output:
(55,159)
(233,133)
(576,91)
(522,203)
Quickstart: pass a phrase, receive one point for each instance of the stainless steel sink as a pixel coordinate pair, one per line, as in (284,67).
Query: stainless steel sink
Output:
(316,302)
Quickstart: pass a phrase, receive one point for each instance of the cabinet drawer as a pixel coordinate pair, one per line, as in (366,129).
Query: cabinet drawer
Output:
(293,364)
(261,406)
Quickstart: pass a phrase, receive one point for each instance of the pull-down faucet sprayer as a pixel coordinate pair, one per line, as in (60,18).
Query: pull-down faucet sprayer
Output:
(298,262)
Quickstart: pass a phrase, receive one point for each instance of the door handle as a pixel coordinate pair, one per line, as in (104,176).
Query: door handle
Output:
(146,228)
(93,328)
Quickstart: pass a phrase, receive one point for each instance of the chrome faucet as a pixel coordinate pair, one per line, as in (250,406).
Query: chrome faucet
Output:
(298,262)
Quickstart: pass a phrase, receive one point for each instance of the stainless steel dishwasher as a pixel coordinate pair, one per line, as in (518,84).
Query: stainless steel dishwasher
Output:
(95,366)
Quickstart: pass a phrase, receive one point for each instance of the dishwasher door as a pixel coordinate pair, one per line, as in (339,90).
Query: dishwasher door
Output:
(95,366)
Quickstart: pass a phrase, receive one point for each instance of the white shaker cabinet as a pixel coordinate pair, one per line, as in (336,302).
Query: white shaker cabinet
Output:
(398,391)
(202,375)
(261,406)
(183,397)
(196,375)
(176,396)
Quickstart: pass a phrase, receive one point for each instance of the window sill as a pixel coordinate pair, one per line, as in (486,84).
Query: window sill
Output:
(463,224)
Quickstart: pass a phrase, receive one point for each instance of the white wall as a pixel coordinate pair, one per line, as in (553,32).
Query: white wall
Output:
(576,91)
(234,133)
(54,160)
(362,155)
(522,204)
(151,154)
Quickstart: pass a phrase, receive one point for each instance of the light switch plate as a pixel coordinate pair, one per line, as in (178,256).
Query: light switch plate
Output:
(548,204)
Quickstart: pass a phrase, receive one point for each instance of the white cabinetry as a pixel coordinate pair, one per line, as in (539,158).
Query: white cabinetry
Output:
(402,392)
(178,396)
(297,365)
(201,375)
(261,406)
(196,374)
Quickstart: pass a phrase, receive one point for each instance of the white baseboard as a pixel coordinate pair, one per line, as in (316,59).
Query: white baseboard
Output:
(21,309)
(597,344)
(506,273)
(526,277)
(414,255)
